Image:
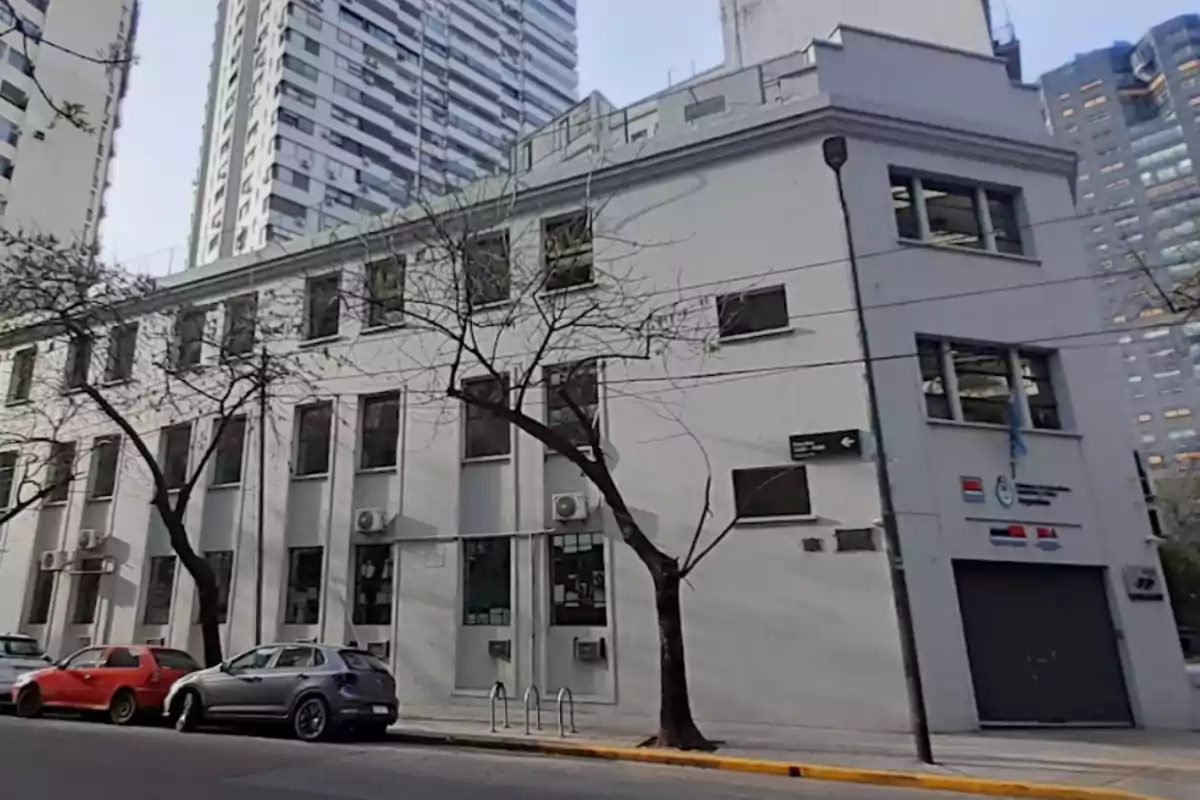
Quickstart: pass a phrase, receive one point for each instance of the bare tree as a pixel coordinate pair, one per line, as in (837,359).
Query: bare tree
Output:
(1177,498)
(27,477)
(153,375)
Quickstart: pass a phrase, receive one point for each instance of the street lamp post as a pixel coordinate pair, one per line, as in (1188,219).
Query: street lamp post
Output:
(835,151)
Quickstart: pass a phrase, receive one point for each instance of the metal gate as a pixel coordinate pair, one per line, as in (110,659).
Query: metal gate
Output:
(1041,643)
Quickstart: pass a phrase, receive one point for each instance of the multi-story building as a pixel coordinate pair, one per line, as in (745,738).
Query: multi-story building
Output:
(396,519)
(1130,111)
(53,176)
(322,113)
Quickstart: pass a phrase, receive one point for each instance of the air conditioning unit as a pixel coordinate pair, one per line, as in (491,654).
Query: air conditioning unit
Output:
(90,539)
(53,560)
(370,520)
(570,507)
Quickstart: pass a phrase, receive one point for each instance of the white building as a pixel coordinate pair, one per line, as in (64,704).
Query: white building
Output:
(1025,593)
(53,176)
(322,113)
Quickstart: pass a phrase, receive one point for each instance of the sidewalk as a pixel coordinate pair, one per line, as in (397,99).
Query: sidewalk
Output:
(1165,765)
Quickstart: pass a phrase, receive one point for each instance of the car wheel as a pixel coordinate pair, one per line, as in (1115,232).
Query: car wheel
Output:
(122,709)
(372,732)
(310,720)
(29,702)
(191,710)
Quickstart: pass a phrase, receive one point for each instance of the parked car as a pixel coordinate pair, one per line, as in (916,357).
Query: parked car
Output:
(317,690)
(120,680)
(18,654)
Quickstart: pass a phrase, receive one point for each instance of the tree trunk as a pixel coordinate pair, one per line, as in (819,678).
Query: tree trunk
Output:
(207,591)
(676,728)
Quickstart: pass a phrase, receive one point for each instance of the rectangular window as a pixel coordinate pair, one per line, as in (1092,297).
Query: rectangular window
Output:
(39,602)
(61,471)
(1002,208)
(79,360)
(953,214)
(373,584)
(487,270)
(704,108)
(312,438)
(8,471)
(486,433)
(221,562)
(122,347)
(176,447)
(227,457)
(958,214)
(385,292)
(577,380)
(577,580)
(487,581)
(106,456)
(983,382)
(764,492)
(933,379)
(324,305)
(158,593)
(240,314)
(304,586)
(1039,391)
(21,380)
(14,95)
(754,311)
(189,337)
(87,591)
(567,242)
(380,430)
(905,208)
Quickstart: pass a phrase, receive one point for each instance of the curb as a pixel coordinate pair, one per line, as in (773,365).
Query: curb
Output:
(818,772)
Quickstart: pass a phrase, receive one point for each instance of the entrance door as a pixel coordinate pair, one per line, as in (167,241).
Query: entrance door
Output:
(1041,644)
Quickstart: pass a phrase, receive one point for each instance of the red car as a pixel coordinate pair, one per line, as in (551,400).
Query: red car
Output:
(120,680)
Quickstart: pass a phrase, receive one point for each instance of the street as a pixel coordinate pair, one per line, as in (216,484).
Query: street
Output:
(65,758)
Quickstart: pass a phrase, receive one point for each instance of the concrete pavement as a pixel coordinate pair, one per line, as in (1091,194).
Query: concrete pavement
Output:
(60,758)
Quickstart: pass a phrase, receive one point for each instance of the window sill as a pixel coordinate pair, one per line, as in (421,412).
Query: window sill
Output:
(105,499)
(766,522)
(217,487)
(320,341)
(988,426)
(386,327)
(55,503)
(756,336)
(376,470)
(318,476)
(970,251)
(71,391)
(18,403)
(578,287)
(113,383)
(496,459)
(496,305)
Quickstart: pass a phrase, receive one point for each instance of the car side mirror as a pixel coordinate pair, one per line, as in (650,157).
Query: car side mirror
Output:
(60,664)
(223,666)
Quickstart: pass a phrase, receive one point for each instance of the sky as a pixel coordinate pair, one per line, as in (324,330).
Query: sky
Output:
(628,49)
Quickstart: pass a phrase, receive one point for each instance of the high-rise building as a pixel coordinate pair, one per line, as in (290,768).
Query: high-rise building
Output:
(1130,110)
(53,175)
(321,112)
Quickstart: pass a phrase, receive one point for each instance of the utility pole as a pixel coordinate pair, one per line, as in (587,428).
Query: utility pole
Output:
(835,152)
(262,491)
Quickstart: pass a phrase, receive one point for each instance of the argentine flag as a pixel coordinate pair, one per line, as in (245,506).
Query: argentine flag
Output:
(1016,443)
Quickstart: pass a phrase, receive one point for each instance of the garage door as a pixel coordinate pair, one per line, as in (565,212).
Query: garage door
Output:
(1041,643)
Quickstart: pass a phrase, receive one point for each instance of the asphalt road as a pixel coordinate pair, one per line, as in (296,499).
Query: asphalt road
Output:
(65,758)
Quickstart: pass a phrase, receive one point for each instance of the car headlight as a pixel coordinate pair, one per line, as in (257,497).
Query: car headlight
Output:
(23,678)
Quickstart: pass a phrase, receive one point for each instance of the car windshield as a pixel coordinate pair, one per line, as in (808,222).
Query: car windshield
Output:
(175,659)
(20,647)
(359,661)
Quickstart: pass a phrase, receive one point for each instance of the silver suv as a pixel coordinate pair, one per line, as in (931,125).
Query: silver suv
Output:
(18,654)
(317,690)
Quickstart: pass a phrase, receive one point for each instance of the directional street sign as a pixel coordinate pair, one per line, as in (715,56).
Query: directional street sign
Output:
(828,444)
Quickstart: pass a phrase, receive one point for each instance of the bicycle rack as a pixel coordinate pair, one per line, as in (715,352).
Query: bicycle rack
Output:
(566,694)
(497,692)
(533,690)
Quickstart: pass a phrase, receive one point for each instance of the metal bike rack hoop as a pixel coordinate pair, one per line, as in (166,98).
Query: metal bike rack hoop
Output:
(532,691)
(566,694)
(497,692)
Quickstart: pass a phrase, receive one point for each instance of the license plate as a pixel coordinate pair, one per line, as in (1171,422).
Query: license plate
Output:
(380,710)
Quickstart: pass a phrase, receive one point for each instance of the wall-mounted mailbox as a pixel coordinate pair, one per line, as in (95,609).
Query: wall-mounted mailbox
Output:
(500,648)
(590,651)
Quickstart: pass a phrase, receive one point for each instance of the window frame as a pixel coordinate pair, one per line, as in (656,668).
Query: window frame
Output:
(733,303)
(389,446)
(8,477)
(188,340)
(765,476)
(101,446)
(1009,239)
(593,614)
(574,429)
(62,457)
(79,363)
(221,562)
(122,353)
(300,470)
(240,326)
(20,381)
(492,608)
(223,456)
(385,304)
(292,615)
(374,612)
(556,254)
(477,421)
(175,472)
(487,267)
(160,590)
(313,332)
(88,576)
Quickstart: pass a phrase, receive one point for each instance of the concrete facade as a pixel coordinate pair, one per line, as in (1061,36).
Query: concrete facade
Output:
(783,627)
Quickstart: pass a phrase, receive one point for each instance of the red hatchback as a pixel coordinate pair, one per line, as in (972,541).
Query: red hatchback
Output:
(120,680)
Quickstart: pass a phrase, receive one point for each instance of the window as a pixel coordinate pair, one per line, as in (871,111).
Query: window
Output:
(240,314)
(1002,209)
(158,594)
(21,381)
(983,382)
(486,269)
(764,492)
(904,207)
(754,311)
(703,108)
(312,446)
(953,214)
(86,659)
(221,562)
(189,337)
(176,446)
(174,659)
(298,657)
(933,380)
(385,292)
(1177,413)
(485,432)
(61,471)
(227,457)
(380,430)
(258,658)
(487,581)
(567,240)
(304,586)
(106,455)
(79,359)
(578,381)
(122,347)
(14,95)
(373,584)
(1039,391)
(87,591)
(324,306)
(8,469)
(39,602)
(855,540)
(956,214)
(577,580)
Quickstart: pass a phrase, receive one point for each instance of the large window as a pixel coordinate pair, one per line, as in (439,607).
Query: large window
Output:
(158,592)
(189,337)
(106,456)
(485,432)
(567,242)
(487,269)
(20,381)
(380,430)
(304,586)
(87,591)
(79,361)
(385,291)
(754,311)
(766,492)
(323,303)
(39,601)
(122,347)
(61,471)
(487,581)
(227,458)
(956,213)
(176,449)
(577,580)
(240,321)
(373,584)
(8,470)
(577,380)
(221,562)
(313,439)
